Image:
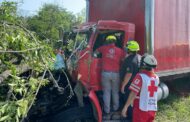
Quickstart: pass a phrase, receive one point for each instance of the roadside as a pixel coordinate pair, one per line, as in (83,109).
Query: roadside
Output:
(176,108)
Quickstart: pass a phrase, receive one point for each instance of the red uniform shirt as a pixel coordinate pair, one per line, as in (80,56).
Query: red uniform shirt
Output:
(111,57)
(138,115)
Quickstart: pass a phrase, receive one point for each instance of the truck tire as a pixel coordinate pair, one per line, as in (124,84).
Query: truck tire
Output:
(77,114)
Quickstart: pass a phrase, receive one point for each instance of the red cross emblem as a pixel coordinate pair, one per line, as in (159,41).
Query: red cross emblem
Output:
(152,88)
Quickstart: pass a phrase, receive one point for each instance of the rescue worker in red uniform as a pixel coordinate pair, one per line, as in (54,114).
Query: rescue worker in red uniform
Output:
(143,93)
(111,61)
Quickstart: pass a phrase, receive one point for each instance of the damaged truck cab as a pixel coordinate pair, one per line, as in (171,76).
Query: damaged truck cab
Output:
(89,63)
(89,68)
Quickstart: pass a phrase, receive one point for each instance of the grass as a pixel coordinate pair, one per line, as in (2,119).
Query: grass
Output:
(176,108)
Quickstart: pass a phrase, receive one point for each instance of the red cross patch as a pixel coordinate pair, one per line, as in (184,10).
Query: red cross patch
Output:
(152,88)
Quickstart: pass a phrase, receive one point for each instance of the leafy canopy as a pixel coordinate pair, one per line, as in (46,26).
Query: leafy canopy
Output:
(48,21)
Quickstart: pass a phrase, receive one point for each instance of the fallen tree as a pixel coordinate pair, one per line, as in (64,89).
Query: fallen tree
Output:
(20,57)
(25,66)
(27,78)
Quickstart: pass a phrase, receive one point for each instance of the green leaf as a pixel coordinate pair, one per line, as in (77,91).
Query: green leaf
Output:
(17,119)
(3,108)
(4,118)
(36,53)
(19,90)
(18,112)
(12,84)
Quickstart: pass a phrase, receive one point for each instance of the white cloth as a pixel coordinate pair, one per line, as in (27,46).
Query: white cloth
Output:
(148,94)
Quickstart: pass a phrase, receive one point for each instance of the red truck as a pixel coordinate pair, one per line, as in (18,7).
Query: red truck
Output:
(161,27)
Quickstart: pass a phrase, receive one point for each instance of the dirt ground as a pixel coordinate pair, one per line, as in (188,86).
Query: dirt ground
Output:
(180,86)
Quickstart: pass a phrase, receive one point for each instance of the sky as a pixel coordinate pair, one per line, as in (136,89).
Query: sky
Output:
(32,6)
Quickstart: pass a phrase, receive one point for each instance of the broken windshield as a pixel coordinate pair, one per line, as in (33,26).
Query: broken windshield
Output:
(78,40)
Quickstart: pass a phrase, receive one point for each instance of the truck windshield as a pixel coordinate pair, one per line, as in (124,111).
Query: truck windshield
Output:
(79,40)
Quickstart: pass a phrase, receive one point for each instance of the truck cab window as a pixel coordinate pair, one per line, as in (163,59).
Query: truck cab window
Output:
(82,40)
(102,36)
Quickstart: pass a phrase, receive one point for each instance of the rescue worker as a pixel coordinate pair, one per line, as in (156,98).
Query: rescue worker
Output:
(111,61)
(129,69)
(143,93)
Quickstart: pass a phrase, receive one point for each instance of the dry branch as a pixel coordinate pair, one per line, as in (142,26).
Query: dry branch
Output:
(20,51)
(20,68)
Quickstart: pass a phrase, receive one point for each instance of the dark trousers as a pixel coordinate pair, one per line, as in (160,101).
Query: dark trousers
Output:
(123,100)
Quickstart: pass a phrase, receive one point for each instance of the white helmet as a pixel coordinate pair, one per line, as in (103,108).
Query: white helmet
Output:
(148,61)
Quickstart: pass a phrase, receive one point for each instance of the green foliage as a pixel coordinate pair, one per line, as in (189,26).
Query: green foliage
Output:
(80,17)
(174,109)
(20,50)
(8,11)
(48,21)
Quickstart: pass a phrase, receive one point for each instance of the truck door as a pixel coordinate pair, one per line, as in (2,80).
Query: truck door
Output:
(89,66)
(84,57)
